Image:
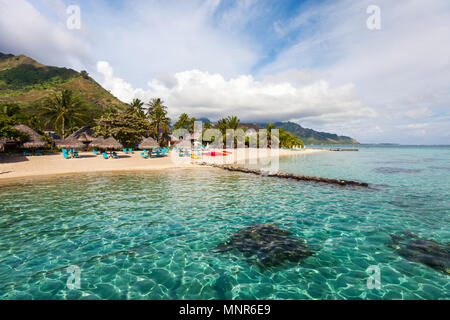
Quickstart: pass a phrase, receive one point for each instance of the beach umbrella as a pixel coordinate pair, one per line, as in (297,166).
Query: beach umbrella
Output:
(85,135)
(70,143)
(174,138)
(183,144)
(106,144)
(148,143)
(97,141)
(35,141)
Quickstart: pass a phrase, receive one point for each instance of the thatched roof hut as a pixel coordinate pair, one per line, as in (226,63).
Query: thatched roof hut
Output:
(70,143)
(85,135)
(35,141)
(106,144)
(148,143)
(183,144)
(174,138)
(97,141)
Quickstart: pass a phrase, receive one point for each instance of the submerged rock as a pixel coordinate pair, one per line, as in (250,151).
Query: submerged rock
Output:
(267,245)
(428,252)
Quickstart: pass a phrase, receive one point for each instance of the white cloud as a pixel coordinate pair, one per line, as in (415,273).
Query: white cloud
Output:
(419,113)
(118,87)
(203,94)
(322,68)
(402,70)
(149,38)
(24,30)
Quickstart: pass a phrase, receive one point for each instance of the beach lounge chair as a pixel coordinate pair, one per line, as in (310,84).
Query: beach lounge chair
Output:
(144,155)
(38,153)
(125,151)
(76,155)
(115,155)
(66,156)
(105,155)
(95,152)
(130,151)
(26,153)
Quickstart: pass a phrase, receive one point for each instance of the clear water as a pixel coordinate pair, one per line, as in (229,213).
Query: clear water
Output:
(151,235)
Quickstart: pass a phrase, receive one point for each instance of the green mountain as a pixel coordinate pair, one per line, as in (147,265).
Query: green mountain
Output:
(27,82)
(312,137)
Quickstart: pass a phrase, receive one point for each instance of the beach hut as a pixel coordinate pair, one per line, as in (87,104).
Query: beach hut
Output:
(34,142)
(70,143)
(183,144)
(148,143)
(106,144)
(85,135)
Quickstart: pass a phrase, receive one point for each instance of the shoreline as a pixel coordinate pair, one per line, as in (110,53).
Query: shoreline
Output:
(17,167)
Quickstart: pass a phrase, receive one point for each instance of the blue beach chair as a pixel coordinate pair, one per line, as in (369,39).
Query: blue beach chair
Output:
(105,155)
(125,151)
(130,151)
(38,153)
(95,152)
(143,155)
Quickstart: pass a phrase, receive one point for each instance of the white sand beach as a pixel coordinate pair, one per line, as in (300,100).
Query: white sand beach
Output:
(14,167)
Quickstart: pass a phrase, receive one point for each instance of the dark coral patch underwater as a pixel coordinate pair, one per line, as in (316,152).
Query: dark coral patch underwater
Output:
(428,252)
(267,246)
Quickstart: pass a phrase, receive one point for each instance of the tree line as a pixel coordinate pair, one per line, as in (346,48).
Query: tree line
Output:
(65,112)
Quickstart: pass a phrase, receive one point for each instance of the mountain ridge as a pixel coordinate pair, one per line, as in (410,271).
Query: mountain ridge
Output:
(27,82)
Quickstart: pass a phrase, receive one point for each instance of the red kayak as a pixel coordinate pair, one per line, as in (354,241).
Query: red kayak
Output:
(217,154)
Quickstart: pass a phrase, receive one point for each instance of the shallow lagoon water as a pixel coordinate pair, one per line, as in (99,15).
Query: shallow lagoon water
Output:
(152,235)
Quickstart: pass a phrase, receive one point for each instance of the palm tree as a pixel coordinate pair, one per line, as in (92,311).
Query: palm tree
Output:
(157,115)
(228,123)
(63,108)
(269,127)
(136,106)
(233,122)
(183,122)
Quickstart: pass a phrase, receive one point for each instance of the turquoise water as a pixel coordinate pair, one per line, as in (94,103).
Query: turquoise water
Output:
(152,235)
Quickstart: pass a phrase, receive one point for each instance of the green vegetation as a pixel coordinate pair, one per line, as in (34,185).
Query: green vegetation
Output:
(59,99)
(137,107)
(184,122)
(28,83)
(64,109)
(311,137)
(128,128)
(157,115)
(7,130)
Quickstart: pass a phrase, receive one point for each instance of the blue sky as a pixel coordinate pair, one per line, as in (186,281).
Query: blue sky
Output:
(313,62)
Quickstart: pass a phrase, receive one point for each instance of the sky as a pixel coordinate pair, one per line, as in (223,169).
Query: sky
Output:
(378,76)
